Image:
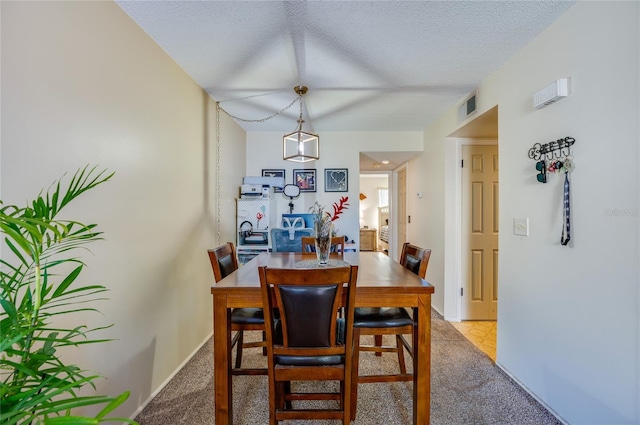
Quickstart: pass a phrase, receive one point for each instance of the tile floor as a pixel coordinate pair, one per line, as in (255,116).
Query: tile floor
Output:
(482,334)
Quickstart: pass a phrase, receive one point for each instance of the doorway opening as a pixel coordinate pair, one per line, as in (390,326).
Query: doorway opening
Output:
(473,290)
(374,210)
(385,220)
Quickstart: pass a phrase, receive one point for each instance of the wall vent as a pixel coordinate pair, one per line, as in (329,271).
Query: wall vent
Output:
(552,93)
(467,108)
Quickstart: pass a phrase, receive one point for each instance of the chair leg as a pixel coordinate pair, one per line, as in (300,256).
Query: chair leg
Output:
(345,405)
(354,372)
(378,343)
(399,345)
(280,395)
(264,339)
(287,390)
(239,349)
(273,406)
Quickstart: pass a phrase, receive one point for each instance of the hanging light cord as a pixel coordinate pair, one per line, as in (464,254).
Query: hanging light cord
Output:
(218,185)
(298,99)
(218,173)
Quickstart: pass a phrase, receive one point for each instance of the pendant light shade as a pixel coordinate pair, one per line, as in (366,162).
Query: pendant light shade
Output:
(301,146)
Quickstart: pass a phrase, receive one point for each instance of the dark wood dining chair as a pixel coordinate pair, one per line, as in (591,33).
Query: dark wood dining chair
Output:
(379,321)
(223,262)
(308,342)
(337,244)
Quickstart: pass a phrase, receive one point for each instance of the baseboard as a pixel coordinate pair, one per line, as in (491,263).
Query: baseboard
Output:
(532,394)
(169,378)
(438,311)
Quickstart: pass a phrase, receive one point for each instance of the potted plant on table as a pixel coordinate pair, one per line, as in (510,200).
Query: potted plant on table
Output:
(37,284)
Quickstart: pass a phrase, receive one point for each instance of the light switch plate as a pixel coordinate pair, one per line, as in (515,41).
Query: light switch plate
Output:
(521,226)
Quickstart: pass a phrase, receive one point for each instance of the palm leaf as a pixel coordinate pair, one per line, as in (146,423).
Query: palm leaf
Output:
(37,385)
(67,282)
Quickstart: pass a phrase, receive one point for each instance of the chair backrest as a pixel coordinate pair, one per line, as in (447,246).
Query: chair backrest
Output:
(415,259)
(307,301)
(288,239)
(309,244)
(223,260)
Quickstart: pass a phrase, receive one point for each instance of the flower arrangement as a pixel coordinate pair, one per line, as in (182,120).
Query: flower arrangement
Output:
(324,220)
(323,224)
(338,208)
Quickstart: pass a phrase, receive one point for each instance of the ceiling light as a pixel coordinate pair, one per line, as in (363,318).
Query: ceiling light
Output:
(301,146)
(385,161)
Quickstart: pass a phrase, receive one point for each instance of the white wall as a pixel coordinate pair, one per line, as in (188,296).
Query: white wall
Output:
(568,316)
(337,150)
(82,84)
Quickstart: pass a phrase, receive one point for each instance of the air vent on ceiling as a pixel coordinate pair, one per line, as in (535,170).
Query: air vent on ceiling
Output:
(552,93)
(467,108)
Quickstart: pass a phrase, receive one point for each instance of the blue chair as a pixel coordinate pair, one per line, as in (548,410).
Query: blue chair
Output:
(288,239)
(337,244)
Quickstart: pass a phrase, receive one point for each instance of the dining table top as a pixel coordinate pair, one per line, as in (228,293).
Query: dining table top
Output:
(375,270)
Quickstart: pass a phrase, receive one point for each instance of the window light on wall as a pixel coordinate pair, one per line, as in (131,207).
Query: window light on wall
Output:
(383,197)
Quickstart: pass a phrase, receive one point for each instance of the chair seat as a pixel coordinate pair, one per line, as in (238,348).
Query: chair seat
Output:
(381,317)
(247,316)
(308,360)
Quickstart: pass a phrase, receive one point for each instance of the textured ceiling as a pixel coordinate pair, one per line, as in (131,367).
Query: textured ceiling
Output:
(369,66)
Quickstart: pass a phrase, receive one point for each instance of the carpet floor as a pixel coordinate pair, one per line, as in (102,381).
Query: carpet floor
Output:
(467,388)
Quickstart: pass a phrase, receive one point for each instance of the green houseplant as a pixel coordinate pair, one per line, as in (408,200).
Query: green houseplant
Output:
(37,285)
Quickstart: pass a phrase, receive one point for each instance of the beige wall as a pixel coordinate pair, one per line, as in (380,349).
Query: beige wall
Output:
(568,316)
(82,84)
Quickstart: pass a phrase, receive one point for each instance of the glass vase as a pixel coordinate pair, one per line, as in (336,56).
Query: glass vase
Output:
(323,241)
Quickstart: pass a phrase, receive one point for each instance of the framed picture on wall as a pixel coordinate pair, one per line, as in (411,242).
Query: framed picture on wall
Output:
(336,180)
(274,173)
(305,180)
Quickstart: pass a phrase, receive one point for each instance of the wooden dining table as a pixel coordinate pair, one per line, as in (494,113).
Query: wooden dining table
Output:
(382,282)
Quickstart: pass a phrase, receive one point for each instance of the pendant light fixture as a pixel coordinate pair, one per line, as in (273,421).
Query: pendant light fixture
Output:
(301,146)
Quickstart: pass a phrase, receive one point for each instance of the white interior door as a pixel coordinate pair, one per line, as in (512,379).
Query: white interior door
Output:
(479,232)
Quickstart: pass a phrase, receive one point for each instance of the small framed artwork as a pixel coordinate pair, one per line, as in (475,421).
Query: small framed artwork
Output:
(274,173)
(305,180)
(336,180)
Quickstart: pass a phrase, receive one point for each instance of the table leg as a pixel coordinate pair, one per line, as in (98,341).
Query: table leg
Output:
(222,361)
(422,362)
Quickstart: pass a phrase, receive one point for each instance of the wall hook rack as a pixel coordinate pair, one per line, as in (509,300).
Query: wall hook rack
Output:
(552,150)
(552,157)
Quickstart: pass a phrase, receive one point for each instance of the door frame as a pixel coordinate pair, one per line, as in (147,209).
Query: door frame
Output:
(394,251)
(453,268)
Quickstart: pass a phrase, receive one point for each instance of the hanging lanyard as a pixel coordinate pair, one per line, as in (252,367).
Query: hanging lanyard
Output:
(566,226)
